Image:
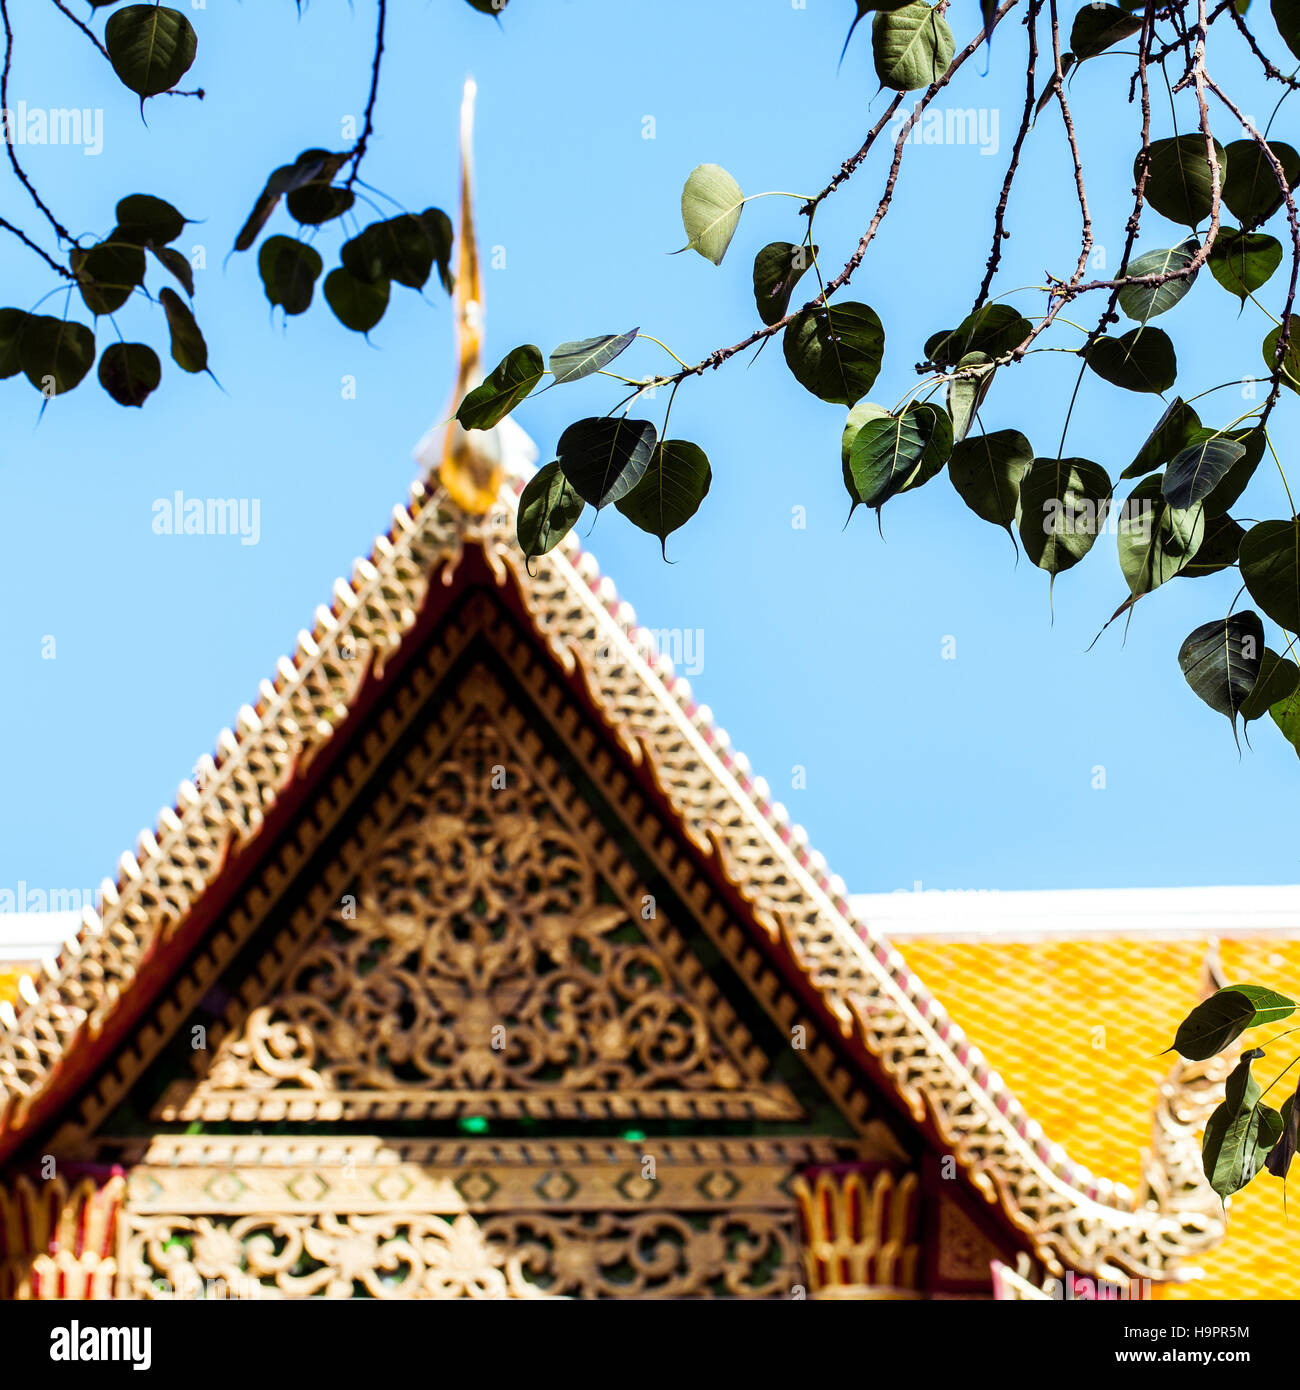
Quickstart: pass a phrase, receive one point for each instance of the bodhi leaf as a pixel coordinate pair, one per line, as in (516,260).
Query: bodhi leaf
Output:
(509,383)
(711,204)
(605,459)
(1063,506)
(189,351)
(1286,715)
(858,416)
(1179,183)
(1156,540)
(1239,1134)
(1286,14)
(318,202)
(150,47)
(289,270)
(178,265)
(835,351)
(572,361)
(129,372)
(1277,680)
(912,46)
(777,269)
(986,470)
(888,453)
(1173,431)
(55,354)
(1196,470)
(1279,1159)
(1234,481)
(1096,27)
(937,450)
(108,273)
(1290,358)
(398,248)
(1251,189)
(147,220)
(1218,548)
(357,304)
(674,484)
(1142,360)
(12,322)
(1270,567)
(993,329)
(1143,302)
(310,166)
(1221,661)
(1243,261)
(966,393)
(548,507)
(1225,1016)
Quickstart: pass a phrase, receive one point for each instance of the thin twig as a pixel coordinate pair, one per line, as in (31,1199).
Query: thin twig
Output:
(60,230)
(83,26)
(359,149)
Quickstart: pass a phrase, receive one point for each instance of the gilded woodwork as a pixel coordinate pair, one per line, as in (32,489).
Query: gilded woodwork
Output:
(58,1237)
(860,1235)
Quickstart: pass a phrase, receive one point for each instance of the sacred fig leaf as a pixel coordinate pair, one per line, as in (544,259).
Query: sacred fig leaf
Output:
(711,204)
(966,393)
(1234,481)
(1173,431)
(1286,15)
(777,269)
(993,329)
(1180,184)
(12,323)
(289,270)
(1242,261)
(1290,358)
(895,452)
(129,372)
(548,507)
(398,248)
(1251,189)
(318,202)
(835,351)
(986,470)
(145,219)
(1063,506)
(1225,1016)
(1220,661)
(675,482)
(912,46)
(1239,1134)
(1279,1158)
(1218,548)
(357,304)
(1142,360)
(605,459)
(189,351)
(1143,302)
(492,7)
(150,47)
(108,273)
(1270,567)
(309,167)
(1195,471)
(510,381)
(858,416)
(178,264)
(439,229)
(55,354)
(1096,27)
(572,361)
(1277,680)
(1286,715)
(1156,540)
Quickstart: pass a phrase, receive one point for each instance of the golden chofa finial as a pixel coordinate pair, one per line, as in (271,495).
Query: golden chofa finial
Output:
(470,464)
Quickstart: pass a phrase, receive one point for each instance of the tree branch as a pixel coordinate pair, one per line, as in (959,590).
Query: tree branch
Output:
(60,230)
(359,149)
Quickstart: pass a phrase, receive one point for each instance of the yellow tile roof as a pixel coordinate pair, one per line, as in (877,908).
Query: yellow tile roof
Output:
(9,984)
(1075,1028)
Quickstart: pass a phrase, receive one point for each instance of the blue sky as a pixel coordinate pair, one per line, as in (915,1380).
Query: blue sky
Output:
(822,646)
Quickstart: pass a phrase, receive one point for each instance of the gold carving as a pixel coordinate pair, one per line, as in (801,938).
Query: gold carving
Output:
(860,1234)
(56,1239)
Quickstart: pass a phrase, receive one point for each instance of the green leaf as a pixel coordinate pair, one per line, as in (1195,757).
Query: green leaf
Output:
(858,416)
(1155,539)
(966,394)
(674,484)
(492,7)
(398,248)
(777,269)
(12,323)
(189,351)
(987,469)
(1286,15)
(1270,568)
(711,204)
(143,219)
(912,47)
(1143,302)
(889,453)
(1277,680)
(1173,431)
(1279,1159)
(1291,358)
(311,166)
(1234,482)
(55,354)
(1225,1016)
(289,269)
(1220,661)
(1096,27)
(548,507)
(1218,548)
(319,202)
(1197,470)
(437,226)
(605,459)
(993,329)
(1242,261)
(510,382)
(129,372)
(1179,181)
(1142,360)
(1286,715)
(357,304)
(150,47)
(1063,506)
(1239,1134)
(835,352)
(108,273)
(178,265)
(1251,189)
(572,361)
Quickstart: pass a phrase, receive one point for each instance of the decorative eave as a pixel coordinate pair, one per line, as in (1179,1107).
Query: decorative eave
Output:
(1068,1216)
